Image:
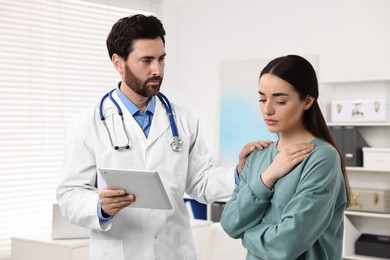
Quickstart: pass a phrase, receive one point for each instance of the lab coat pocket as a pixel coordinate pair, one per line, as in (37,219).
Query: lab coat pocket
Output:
(106,249)
(187,245)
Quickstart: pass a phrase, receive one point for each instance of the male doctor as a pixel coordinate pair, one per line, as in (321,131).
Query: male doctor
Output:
(136,46)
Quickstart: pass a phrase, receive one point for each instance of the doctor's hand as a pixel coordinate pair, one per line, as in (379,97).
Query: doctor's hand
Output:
(113,200)
(247,150)
(284,162)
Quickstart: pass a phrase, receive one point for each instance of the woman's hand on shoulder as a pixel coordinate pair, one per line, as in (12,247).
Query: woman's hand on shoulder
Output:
(285,161)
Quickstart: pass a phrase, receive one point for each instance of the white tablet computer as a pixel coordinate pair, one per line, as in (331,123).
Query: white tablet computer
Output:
(145,185)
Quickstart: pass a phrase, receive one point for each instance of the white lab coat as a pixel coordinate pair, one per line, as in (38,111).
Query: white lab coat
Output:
(139,234)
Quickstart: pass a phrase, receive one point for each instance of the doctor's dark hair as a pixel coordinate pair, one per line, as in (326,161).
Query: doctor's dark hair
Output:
(128,29)
(301,75)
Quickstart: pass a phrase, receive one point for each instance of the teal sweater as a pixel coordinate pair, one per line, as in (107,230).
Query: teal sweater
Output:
(300,218)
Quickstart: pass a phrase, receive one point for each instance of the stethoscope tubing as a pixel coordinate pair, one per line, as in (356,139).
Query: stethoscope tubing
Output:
(167,105)
(109,94)
(176,144)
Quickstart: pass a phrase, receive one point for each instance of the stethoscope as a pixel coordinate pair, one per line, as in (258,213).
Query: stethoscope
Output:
(176,144)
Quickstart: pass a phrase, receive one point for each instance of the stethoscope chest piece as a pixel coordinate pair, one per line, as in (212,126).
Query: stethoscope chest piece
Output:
(177,144)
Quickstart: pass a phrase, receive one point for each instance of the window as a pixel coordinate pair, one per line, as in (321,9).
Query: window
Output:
(53,64)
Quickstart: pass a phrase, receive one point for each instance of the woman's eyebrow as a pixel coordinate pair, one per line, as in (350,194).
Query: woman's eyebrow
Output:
(278,94)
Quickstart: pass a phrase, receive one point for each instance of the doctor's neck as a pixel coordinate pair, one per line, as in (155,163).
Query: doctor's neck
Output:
(139,100)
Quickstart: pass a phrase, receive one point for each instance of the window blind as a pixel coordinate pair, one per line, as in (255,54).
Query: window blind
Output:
(53,64)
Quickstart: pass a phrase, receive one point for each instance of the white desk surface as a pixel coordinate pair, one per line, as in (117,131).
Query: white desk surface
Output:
(45,238)
(42,246)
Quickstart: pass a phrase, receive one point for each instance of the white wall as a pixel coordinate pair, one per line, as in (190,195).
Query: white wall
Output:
(350,37)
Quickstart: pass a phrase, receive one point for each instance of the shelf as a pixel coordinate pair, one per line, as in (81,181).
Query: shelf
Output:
(366,214)
(358,124)
(344,81)
(365,169)
(377,135)
(361,257)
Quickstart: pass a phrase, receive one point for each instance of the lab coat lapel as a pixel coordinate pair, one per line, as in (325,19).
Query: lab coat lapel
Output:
(160,123)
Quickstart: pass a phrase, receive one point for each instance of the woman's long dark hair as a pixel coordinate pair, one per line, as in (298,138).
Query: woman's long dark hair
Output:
(301,75)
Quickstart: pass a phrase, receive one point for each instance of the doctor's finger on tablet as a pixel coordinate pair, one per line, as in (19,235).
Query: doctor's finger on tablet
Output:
(113,200)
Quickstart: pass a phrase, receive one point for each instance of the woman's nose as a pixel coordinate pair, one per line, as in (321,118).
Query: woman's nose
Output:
(267,108)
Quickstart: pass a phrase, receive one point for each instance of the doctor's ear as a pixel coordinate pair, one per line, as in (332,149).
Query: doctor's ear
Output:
(118,63)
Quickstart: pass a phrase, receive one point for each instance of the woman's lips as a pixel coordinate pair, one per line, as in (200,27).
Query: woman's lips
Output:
(270,122)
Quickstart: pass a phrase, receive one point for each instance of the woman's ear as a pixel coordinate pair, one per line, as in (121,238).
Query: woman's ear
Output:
(309,102)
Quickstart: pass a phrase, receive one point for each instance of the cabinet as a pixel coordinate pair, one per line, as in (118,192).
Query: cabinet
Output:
(376,134)
(41,246)
(357,222)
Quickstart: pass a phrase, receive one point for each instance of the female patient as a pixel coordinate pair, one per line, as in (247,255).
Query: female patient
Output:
(290,205)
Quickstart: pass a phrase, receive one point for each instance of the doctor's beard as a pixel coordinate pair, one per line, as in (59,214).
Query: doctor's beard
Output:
(140,87)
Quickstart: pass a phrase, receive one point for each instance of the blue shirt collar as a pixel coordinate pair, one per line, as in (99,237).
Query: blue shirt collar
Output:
(133,109)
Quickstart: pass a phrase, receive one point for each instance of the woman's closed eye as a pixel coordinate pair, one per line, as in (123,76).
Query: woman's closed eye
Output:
(277,102)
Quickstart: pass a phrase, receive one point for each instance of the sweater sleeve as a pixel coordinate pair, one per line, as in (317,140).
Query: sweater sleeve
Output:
(247,205)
